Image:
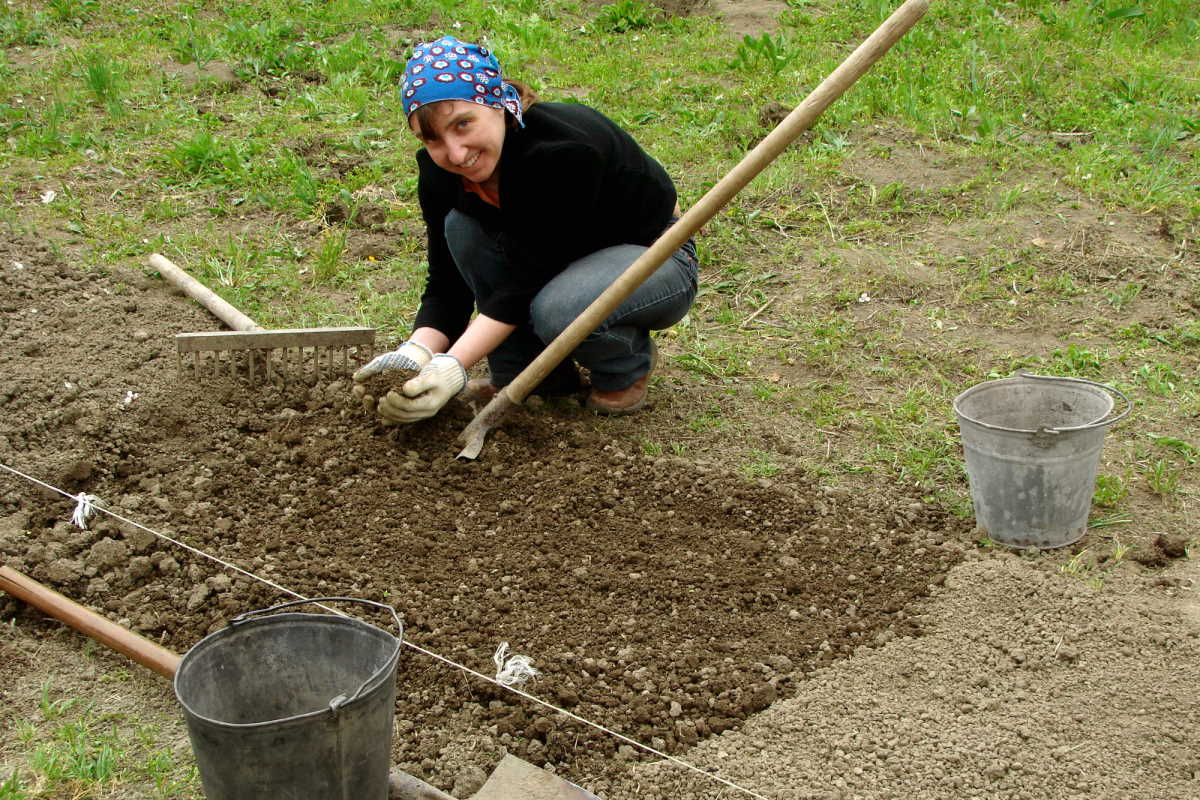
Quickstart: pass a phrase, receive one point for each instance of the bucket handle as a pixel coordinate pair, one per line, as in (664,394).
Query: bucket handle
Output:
(1090,383)
(341,700)
(1050,432)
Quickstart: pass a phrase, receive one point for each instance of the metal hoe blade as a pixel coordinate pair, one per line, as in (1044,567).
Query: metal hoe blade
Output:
(474,435)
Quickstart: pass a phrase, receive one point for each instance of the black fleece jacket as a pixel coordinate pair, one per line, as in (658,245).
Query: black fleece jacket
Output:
(571,182)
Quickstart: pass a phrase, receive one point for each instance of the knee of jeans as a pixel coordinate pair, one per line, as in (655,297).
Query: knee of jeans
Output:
(456,225)
(551,314)
(547,322)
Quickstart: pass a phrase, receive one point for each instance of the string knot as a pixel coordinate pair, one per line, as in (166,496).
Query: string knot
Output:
(85,506)
(512,670)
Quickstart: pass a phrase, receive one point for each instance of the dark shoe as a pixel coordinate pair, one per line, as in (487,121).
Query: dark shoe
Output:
(628,400)
(560,384)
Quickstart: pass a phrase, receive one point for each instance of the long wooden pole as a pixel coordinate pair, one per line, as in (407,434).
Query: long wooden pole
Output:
(803,116)
(220,308)
(84,620)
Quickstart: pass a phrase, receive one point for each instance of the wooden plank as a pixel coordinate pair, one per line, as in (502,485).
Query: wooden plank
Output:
(265,340)
(514,778)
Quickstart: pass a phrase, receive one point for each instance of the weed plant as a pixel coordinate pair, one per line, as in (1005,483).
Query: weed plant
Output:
(626,15)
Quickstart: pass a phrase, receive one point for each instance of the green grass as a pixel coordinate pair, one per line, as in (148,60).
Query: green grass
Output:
(103,80)
(1094,566)
(760,465)
(73,750)
(1110,491)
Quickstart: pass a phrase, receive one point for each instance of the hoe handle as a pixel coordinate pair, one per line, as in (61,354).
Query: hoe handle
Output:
(206,297)
(853,68)
(86,621)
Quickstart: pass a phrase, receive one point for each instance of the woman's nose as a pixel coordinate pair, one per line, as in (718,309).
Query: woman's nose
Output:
(456,149)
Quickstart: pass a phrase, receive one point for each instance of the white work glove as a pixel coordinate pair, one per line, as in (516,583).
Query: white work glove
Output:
(423,396)
(408,356)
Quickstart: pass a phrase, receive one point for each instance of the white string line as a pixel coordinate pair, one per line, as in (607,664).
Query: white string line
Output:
(595,725)
(403,641)
(188,547)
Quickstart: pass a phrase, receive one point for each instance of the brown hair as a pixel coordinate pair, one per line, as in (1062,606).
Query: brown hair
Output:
(424,114)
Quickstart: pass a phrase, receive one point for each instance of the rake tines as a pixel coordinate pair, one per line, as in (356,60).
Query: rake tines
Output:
(279,356)
(306,355)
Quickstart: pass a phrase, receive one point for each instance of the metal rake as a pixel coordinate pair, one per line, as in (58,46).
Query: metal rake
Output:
(277,356)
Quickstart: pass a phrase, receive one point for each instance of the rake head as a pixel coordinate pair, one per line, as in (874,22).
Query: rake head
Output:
(306,355)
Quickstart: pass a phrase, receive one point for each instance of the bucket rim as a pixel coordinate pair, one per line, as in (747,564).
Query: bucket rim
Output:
(336,703)
(1022,375)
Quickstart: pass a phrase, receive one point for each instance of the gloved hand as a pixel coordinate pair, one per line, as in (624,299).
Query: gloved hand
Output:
(423,396)
(408,357)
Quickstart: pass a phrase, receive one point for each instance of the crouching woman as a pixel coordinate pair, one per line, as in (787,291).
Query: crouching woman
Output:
(531,209)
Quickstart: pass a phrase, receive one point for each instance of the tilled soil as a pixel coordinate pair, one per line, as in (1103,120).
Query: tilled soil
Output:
(664,599)
(1027,685)
(803,640)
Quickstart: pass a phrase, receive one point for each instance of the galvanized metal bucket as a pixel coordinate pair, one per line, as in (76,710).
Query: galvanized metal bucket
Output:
(1032,445)
(292,705)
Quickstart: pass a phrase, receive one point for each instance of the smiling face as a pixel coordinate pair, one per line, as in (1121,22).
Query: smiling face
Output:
(462,137)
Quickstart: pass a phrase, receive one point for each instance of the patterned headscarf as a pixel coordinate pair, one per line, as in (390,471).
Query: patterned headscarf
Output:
(448,69)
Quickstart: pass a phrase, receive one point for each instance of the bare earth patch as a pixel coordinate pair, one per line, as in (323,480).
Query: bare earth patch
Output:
(1080,695)
(664,598)
(806,640)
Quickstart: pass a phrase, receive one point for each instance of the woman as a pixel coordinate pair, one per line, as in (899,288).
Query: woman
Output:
(531,210)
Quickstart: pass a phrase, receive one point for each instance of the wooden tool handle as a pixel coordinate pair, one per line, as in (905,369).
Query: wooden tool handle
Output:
(206,297)
(853,68)
(84,620)
(402,786)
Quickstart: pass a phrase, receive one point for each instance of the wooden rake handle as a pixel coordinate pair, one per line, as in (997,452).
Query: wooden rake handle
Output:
(206,297)
(801,118)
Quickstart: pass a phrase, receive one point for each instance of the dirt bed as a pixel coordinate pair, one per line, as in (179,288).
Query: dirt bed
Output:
(667,599)
(662,598)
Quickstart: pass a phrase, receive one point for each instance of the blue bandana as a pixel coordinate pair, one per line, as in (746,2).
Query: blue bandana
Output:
(448,69)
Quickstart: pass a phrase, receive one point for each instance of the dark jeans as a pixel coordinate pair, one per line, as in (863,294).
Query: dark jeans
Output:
(618,352)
